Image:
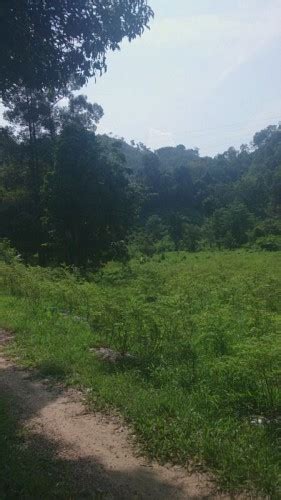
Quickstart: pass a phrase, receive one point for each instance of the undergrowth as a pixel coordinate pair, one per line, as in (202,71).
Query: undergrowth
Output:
(202,384)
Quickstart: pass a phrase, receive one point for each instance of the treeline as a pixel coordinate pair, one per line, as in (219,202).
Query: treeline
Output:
(63,197)
(194,202)
(69,195)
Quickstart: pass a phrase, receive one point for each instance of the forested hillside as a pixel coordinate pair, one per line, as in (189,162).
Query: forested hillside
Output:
(69,195)
(195,202)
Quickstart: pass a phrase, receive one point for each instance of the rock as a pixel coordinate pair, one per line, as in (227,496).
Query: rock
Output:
(109,355)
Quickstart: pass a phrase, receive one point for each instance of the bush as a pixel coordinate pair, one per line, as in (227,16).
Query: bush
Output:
(270,243)
(7,253)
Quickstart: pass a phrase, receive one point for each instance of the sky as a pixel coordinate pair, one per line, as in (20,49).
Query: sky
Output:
(207,74)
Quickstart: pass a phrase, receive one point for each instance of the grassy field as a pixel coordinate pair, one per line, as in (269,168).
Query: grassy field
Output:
(203,382)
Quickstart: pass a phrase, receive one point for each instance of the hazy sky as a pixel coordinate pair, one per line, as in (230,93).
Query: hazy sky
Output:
(207,75)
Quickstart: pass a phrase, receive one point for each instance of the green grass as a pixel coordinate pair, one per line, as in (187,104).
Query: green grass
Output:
(204,332)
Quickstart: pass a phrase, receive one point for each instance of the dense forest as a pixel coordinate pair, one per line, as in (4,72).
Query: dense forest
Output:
(70,195)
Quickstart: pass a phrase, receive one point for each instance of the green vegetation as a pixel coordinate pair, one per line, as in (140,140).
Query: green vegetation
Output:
(111,225)
(55,45)
(70,196)
(203,330)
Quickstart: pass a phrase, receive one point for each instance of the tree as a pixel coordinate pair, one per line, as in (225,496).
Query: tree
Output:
(31,114)
(81,112)
(173,157)
(51,44)
(182,190)
(89,204)
(86,197)
(231,225)
(190,238)
(18,220)
(38,122)
(36,114)
(150,172)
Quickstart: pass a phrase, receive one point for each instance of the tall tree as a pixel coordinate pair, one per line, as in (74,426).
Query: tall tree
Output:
(88,198)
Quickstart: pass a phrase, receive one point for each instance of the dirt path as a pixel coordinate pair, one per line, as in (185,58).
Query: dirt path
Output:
(99,445)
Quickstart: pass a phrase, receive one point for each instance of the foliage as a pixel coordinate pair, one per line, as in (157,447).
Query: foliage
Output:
(203,382)
(231,224)
(70,195)
(55,44)
(223,202)
(7,253)
(271,243)
(69,41)
(66,197)
(89,204)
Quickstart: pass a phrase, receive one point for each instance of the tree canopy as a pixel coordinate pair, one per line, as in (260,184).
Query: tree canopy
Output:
(70,195)
(52,44)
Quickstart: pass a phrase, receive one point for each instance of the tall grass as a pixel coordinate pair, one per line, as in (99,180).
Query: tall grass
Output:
(203,383)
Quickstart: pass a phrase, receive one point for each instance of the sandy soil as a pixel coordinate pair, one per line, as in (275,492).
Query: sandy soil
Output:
(100,446)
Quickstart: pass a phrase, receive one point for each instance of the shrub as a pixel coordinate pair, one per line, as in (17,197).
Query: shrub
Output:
(271,243)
